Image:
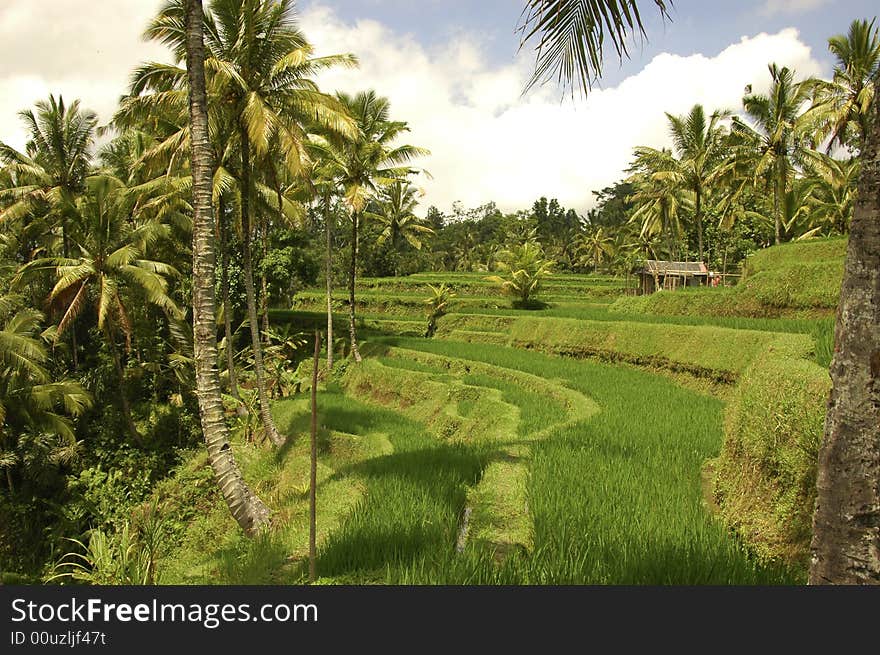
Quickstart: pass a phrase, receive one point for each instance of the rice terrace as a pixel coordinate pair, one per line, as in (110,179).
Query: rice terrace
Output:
(240,344)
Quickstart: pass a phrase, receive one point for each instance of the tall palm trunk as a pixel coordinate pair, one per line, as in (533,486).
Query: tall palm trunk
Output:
(328,228)
(777,218)
(250,293)
(227,307)
(352,272)
(247,509)
(123,396)
(264,285)
(699,219)
(846,525)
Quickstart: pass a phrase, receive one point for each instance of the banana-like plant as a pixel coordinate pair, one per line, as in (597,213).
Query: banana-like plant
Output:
(438,305)
(525,268)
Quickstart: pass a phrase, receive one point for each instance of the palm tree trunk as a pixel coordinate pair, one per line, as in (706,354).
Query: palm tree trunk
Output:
(777,219)
(247,509)
(352,273)
(328,228)
(846,525)
(313,466)
(264,286)
(250,293)
(699,219)
(123,396)
(227,307)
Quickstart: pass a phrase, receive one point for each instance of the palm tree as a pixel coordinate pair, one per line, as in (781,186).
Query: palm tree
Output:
(107,267)
(247,509)
(659,195)
(778,135)
(701,148)
(395,206)
(261,67)
(595,246)
(52,171)
(832,190)
(362,164)
(525,268)
(32,430)
(846,99)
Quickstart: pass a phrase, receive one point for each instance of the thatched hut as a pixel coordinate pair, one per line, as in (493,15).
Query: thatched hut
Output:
(656,275)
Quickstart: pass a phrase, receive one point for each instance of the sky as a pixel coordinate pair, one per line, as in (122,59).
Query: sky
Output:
(453,69)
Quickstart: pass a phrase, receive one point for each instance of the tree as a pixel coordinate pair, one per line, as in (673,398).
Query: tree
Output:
(594,247)
(524,268)
(701,147)
(395,206)
(779,138)
(360,165)
(247,509)
(659,196)
(107,266)
(845,526)
(261,66)
(846,100)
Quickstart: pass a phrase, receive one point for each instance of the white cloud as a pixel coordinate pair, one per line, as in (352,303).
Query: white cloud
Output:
(773,7)
(489,143)
(83,50)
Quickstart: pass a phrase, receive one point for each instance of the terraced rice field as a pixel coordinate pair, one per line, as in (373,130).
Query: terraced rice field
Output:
(562,446)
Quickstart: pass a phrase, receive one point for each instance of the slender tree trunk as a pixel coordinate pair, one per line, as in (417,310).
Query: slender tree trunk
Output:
(250,293)
(846,525)
(123,396)
(247,509)
(699,217)
(227,306)
(777,219)
(328,228)
(313,466)
(352,273)
(264,285)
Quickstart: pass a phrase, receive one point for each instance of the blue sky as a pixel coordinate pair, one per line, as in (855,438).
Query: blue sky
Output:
(450,69)
(696,26)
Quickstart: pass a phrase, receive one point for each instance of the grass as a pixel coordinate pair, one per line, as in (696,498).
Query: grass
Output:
(615,499)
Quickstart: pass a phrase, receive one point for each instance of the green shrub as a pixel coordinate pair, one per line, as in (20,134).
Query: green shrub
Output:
(766,473)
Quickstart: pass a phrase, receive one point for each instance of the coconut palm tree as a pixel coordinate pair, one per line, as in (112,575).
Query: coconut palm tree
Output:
(846,98)
(832,191)
(360,166)
(247,509)
(395,206)
(107,267)
(659,196)
(35,429)
(701,148)
(594,247)
(261,75)
(778,134)
(524,269)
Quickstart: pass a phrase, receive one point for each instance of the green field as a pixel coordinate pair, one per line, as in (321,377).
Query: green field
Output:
(570,445)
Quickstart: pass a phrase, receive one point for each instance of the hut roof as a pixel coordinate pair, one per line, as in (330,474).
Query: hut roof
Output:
(657,267)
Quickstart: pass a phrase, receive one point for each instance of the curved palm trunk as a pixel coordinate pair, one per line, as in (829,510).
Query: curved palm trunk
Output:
(328,228)
(247,509)
(250,293)
(846,525)
(227,308)
(352,272)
